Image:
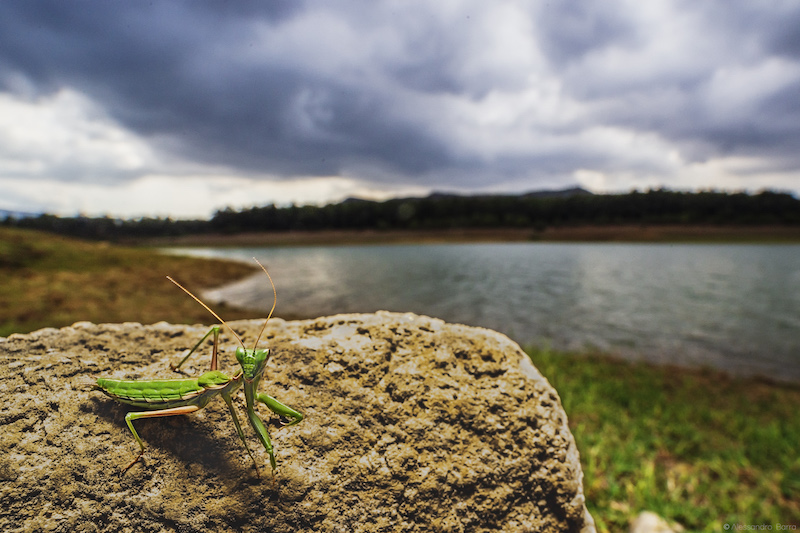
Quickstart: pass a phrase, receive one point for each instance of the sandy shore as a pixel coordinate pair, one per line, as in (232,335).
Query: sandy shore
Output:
(675,233)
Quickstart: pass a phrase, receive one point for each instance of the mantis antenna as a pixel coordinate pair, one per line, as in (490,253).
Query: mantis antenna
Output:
(274,303)
(207,308)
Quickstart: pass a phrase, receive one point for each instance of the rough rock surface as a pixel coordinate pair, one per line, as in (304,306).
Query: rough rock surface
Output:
(412,424)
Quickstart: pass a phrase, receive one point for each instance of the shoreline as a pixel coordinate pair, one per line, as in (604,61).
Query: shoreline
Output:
(610,233)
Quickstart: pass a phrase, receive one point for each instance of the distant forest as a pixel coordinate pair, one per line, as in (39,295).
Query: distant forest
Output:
(573,207)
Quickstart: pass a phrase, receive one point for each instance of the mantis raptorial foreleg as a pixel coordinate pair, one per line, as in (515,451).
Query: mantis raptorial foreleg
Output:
(283,411)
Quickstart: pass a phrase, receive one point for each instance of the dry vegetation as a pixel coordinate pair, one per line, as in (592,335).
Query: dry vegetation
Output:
(52,281)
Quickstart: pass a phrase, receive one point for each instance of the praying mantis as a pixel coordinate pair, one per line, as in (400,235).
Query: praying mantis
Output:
(172,397)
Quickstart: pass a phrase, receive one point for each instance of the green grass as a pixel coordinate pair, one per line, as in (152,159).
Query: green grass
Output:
(697,447)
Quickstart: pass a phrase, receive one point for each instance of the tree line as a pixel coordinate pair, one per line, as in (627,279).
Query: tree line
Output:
(442,211)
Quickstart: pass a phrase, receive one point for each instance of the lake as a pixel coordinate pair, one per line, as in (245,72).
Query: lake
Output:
(733,307)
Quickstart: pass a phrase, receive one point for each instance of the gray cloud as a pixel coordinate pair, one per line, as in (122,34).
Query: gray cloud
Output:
(717,78)
(408,92)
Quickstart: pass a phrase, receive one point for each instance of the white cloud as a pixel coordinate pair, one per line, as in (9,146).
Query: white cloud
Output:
(66,136)
(63,155)
(184,196)
(737,173)
(733,94)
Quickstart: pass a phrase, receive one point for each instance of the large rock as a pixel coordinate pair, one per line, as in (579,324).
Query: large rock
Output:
(411,424)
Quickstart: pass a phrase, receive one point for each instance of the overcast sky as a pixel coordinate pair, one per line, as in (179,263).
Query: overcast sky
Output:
(181,108)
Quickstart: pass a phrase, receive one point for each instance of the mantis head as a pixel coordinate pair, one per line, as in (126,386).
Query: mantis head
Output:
(253,362)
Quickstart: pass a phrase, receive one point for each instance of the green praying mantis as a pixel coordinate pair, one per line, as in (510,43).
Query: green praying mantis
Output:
(172,397)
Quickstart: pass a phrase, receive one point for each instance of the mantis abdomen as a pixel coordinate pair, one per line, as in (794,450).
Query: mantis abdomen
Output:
(167,393)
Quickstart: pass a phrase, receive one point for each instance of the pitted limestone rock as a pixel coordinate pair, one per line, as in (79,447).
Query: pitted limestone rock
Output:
(412,424)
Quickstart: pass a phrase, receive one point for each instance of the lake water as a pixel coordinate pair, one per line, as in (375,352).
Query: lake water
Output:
(734,307)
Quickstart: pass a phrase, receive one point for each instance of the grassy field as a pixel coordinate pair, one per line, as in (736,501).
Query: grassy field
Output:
(697,447)
(55,281)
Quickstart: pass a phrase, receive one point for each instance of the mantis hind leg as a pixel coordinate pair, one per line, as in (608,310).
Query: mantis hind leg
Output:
(214,364)
(130,417)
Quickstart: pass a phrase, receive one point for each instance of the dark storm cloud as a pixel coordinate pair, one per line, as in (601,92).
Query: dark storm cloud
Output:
(401,92)
(177,69)
(570,30)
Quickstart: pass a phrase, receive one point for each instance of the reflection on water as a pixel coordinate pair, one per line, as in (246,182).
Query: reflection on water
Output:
(735,307)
